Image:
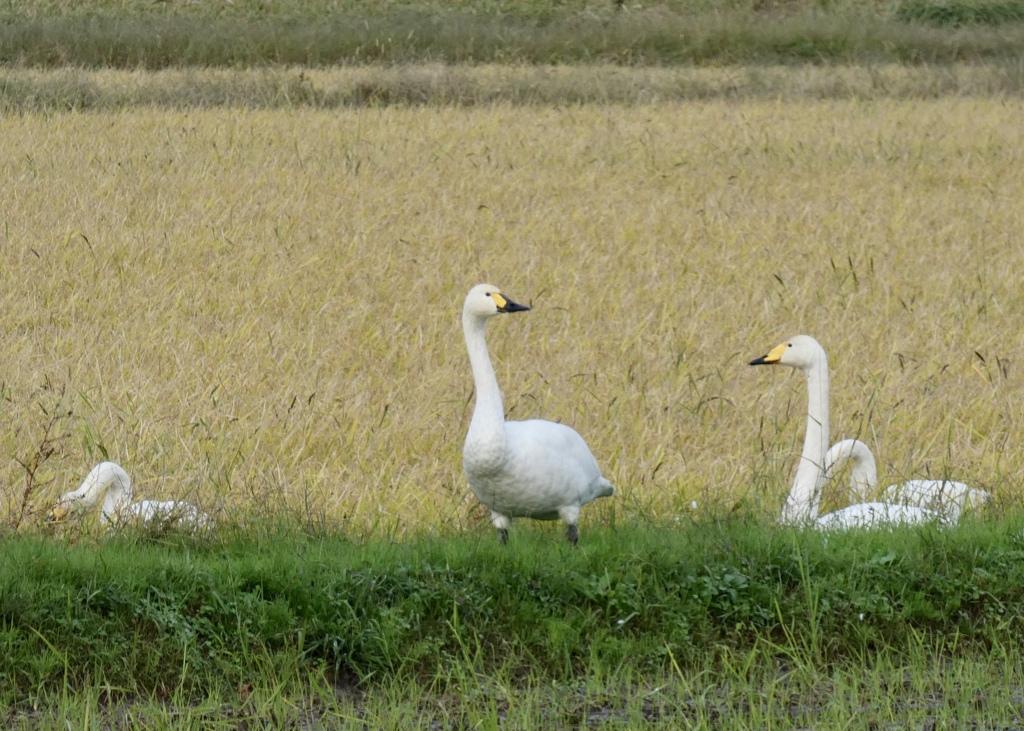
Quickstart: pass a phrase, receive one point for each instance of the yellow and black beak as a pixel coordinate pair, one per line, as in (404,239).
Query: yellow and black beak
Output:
(773,356)
(57,515)
(506,305)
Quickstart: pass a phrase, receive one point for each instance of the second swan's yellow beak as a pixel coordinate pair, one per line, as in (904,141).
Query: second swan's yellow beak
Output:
(773,356)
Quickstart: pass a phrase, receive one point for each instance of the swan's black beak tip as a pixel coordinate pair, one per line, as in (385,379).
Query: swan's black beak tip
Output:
(511,306)
(759,361)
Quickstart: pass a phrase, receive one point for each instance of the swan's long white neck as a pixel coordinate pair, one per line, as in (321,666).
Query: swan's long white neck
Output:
(109,480)
(487,426)
(805,496)
(863,475)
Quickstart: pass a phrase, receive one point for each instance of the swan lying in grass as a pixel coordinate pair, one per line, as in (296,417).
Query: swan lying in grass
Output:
(109,481)
(806,354)
(945,497)
(535,469)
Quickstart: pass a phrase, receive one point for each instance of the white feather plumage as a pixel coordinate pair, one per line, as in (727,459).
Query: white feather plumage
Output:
(535,469)
(816,464)
(108,482)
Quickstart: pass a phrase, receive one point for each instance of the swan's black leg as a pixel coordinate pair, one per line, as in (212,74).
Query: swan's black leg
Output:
(572,533)
(503,536)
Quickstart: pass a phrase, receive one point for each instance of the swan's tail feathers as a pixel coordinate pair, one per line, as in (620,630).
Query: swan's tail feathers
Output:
(605,488)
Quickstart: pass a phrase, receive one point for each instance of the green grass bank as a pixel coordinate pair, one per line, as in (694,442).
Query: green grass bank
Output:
(143,616)
(136,35)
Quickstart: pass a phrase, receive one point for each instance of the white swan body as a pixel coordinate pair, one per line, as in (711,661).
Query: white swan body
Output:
(877,515)
(805,353)
(945,497)
(535,469)
(109,481)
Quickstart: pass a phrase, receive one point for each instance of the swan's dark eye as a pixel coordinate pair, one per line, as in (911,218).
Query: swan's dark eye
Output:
(790,345)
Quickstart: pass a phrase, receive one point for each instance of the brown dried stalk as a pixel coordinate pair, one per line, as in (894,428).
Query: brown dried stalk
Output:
(45,449)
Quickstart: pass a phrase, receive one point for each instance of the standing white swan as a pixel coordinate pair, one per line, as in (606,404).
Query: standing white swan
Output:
(945,497)
(805,353)
(535,469)
(109,481)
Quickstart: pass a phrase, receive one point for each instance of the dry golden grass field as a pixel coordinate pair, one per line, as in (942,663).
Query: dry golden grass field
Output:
(260,310)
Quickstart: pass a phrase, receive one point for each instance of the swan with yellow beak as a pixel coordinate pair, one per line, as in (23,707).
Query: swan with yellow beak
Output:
(805,354)
(534,469)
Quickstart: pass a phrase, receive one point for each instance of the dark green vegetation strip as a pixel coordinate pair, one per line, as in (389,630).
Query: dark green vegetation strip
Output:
(146,616)
(961,13)
(177,36)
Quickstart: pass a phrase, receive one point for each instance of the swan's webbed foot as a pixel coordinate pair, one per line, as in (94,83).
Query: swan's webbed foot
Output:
(503,536)
(572,533)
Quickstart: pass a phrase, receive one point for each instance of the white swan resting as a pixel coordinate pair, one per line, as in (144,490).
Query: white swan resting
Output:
(805,353)
(109,481)
(535,469)
(945,497)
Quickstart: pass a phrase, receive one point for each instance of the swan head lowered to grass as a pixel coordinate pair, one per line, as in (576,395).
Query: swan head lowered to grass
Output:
(806,354)
(534,469)
(108,482)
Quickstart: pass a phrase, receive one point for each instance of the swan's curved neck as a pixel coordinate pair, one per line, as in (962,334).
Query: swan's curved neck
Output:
(805,496)
(863,474)
(110,481)
(488,421)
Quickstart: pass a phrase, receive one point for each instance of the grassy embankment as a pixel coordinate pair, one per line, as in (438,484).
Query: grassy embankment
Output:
(725,625)
(160,35)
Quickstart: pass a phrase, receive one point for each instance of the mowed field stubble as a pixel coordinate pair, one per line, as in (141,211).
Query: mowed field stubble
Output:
(260,310)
